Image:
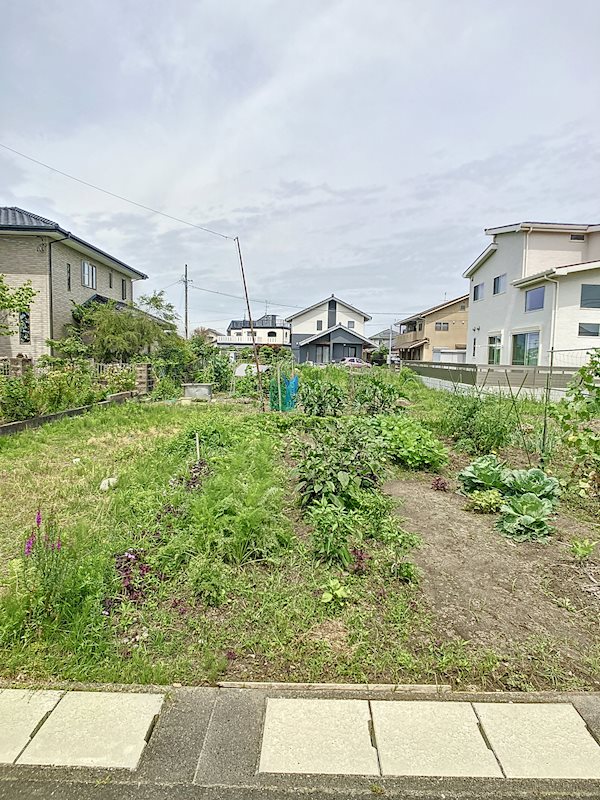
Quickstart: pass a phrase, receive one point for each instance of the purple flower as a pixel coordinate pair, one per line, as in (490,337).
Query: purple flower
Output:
(38,519)
(58,544)
(29,544)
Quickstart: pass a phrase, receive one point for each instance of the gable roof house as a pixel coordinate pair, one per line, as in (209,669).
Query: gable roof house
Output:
(329,331)
(63,269)
(535,289)
(437,334)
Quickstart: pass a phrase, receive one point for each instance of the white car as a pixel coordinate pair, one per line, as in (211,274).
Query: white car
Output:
(353,362)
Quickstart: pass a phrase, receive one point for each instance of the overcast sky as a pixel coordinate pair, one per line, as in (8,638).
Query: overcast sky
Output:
(355,147)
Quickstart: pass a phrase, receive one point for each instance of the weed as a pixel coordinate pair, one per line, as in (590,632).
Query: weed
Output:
(335,594)
(484,501)
(440,484)
(582,549)
(208,580)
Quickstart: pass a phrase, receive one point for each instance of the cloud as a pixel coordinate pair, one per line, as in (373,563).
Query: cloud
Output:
(354,149)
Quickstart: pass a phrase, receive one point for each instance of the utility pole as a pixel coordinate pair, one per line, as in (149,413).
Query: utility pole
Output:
(252,334)
(185,313)
(390,348)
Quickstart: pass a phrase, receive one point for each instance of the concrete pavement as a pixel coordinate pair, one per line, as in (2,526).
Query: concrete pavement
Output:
(279,741)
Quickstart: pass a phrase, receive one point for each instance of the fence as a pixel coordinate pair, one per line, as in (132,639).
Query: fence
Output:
(533,381)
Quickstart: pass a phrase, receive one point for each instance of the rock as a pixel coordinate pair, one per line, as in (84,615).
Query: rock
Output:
(108,483)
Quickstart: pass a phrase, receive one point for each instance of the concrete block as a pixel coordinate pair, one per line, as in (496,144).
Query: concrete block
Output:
(318,737)
(95,729)
(21,712)
(540,740)
(431,738)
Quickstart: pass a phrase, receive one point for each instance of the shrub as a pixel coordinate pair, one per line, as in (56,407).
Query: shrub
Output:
(479,424)
(408,443)
(525,517)
(17,398)
(486,501)
(166,388)
(486,472)
(374,394)
(534,481)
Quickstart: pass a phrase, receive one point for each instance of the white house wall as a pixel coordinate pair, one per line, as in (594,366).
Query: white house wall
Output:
(546,250)
(570,314)
(307,321)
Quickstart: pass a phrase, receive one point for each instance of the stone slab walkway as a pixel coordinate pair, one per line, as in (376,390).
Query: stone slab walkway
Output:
(278,742)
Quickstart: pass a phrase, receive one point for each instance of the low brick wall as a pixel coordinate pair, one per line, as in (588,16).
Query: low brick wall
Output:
(9,428)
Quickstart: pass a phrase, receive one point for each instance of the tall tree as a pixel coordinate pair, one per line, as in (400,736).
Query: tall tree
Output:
(13,301)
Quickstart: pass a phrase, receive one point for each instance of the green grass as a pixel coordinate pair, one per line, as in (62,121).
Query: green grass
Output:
(233,588)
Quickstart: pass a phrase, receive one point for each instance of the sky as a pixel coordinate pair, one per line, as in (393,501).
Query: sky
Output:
(356,148)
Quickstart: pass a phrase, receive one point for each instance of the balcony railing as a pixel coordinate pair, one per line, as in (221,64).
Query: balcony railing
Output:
(407,338)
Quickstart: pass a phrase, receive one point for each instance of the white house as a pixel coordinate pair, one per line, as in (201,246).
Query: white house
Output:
(534,289)
(268,330)
(329,331)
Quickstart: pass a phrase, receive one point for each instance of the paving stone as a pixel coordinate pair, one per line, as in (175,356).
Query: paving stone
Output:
(95,729)
(21,711)
(431,738)
(318,737)
(540,740)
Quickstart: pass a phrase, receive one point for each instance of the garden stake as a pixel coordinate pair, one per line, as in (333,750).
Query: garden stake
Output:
(197,447)
(514,402)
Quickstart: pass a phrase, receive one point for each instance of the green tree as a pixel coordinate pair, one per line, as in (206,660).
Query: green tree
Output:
(157,305)
(13,301)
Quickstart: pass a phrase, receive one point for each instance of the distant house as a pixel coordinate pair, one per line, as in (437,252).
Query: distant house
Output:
(63,269)
(383,338)
(268,330)
(329,331)
(437,334)
(535,289)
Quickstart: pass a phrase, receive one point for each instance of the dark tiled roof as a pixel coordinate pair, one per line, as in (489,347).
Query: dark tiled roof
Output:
(13,217)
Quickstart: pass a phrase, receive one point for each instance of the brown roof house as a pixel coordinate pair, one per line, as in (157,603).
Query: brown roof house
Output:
(436,334)
(63,269)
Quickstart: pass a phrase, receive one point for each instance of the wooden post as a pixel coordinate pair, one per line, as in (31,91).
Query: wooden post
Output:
(279,384)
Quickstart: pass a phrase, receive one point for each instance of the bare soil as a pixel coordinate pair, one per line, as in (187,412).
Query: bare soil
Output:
(492,592)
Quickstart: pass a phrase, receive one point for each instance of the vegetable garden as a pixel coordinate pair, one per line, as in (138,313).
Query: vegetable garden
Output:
(381,532)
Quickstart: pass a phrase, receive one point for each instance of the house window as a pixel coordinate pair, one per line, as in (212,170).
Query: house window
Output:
(238,333)
(68,277)
(474,346)
(271,334)
(123,289)
(420,326)
(590,295)
(478,292)
(110,280)
(525,350)
(24,328)
(494,344)
(578,237)
(534,298)
(322,354)
(589,328)
(441,326)
(463,306)
(350,323)
(319,324)
(88,275)
(499,284)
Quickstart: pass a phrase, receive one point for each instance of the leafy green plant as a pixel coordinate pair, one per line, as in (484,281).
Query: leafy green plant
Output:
(165,388)
(525,517)
(478,423)
(374,394)
(208,580)
(486,501)
(320,398)
(486,472)
(332,526)
(335,593)
(582,549)
(406,571)
(534,481)
(406,442)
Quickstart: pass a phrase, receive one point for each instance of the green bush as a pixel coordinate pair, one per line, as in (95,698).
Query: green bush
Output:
(374,394)
(320,398)
(332,528)
(477,423)
(406,442)
(166,388)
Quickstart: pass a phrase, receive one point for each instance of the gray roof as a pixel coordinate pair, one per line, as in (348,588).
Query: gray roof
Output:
(13,217)
(17,219)
(322,302)
(351,334)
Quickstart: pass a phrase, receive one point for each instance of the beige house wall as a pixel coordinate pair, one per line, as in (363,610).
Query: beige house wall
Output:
(457,332)
(63,299)
(24,258)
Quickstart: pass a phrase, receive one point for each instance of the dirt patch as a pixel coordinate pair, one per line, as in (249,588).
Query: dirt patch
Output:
(334,633)
(490,591)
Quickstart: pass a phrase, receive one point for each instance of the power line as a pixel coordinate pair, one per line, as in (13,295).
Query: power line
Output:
(118,196)
(239,297)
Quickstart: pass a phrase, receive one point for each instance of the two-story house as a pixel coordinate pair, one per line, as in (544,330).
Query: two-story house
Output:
(268,330)
(535,290)
(437,334)
(329,331)
(63,269)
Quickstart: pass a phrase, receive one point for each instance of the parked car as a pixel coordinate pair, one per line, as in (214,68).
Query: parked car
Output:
(353,362)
